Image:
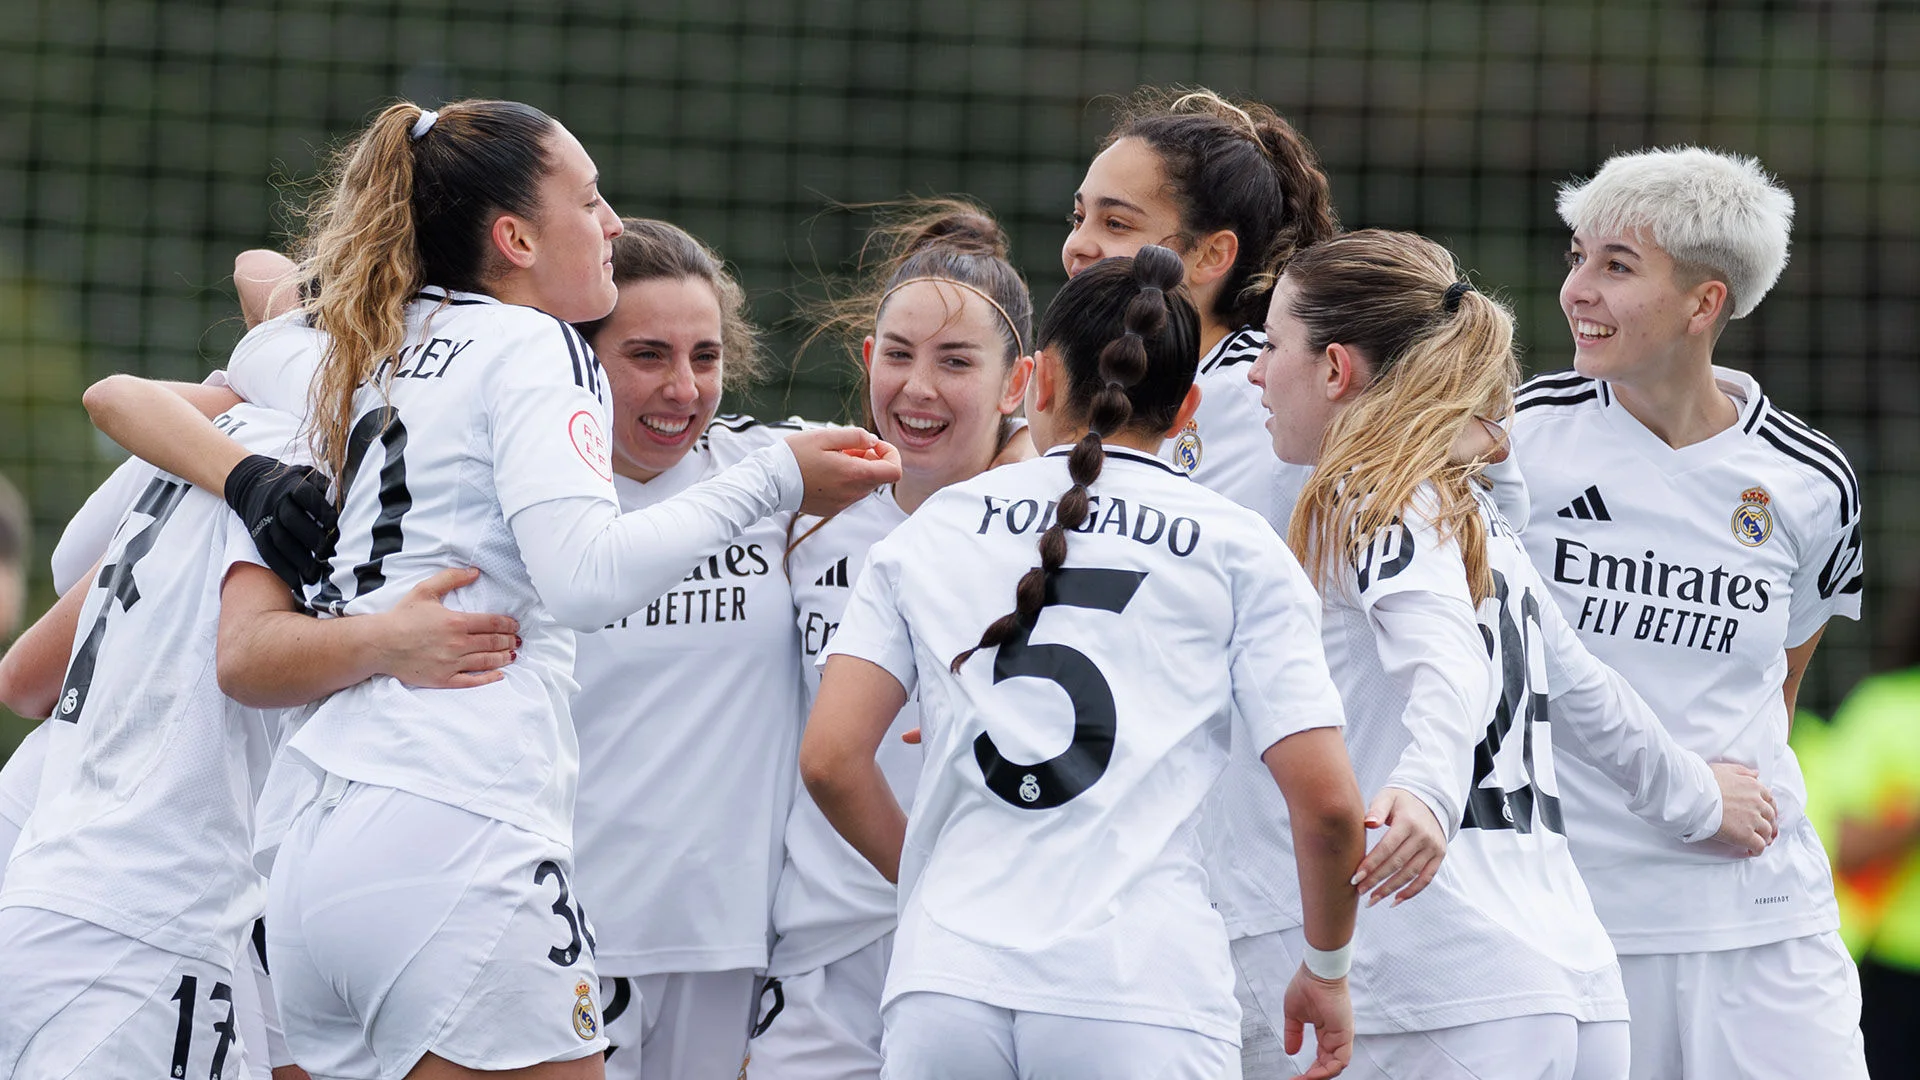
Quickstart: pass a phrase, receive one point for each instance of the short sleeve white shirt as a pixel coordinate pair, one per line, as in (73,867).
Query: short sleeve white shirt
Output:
(832,902)
(144,819)
(1052,859)
(1691,572)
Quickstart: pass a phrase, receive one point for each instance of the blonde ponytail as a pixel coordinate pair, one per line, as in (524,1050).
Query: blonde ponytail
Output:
(1436,364)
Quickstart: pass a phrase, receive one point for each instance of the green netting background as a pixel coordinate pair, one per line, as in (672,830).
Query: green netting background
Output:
(142,142)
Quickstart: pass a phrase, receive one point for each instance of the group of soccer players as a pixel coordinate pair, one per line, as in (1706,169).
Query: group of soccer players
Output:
(1072,717)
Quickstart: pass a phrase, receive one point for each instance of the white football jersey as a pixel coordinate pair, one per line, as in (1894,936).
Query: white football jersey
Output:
(145,817)
(1052,858)
(1691,572)
(1227,446)
(689,718)
(490,408)
(1451,703)
(831,902)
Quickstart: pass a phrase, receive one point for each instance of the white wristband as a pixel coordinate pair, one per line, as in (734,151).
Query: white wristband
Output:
(1330,963)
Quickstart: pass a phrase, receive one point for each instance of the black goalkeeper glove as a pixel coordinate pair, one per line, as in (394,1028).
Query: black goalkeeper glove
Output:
(286,510)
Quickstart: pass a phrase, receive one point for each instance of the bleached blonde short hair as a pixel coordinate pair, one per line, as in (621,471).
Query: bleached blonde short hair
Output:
(1714,212)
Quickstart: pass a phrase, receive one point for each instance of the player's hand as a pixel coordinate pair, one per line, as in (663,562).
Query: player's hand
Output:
(286,510)
(1324,1004)
(841,466)
(1409,855)
(1748,818)
(1019,448)
(911,737)
(427,644)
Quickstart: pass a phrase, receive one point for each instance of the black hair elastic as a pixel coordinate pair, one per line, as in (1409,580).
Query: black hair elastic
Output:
(1454,292)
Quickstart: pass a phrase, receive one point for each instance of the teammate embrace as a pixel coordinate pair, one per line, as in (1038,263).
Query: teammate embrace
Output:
(1279,556)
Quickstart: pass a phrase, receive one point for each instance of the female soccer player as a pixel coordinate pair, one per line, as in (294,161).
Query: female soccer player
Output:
(421,917)
(1379,362)
(1698,538)
(1235,190)
(1054,917)
(687,710)
(944,328)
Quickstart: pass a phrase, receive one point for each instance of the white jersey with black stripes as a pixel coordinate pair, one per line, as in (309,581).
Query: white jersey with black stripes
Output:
(1052,858)
(1227,447)
(488,408)
(1691,571)
(832,902)
(143,823)
(689,717)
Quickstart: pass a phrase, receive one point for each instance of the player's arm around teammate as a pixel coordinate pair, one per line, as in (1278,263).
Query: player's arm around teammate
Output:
(1655,454)
(989,992)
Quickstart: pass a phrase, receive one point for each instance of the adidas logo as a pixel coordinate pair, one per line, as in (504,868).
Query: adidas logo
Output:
(1588,507)
(836,575)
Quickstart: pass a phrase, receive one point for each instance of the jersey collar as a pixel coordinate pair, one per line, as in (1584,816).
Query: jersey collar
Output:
(1738,385)
(1122,453)
(438,294)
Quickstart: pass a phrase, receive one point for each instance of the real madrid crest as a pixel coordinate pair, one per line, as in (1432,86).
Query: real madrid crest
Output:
(1186,448)
(586,1020)
(1753,522)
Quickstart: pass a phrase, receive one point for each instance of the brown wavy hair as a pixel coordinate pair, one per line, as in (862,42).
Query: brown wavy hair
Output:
(1234,165)
(651,250)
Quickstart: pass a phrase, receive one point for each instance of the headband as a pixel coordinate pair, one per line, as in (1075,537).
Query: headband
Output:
(1020,346)
(1455,291)
(424,124)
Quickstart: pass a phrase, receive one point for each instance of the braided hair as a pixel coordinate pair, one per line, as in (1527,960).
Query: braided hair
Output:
(1129,342)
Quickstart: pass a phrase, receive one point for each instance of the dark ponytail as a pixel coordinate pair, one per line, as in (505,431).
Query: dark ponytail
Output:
(1237,166)
(1131,382)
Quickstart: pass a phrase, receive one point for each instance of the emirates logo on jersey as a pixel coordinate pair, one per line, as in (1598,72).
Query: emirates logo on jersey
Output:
(591,443)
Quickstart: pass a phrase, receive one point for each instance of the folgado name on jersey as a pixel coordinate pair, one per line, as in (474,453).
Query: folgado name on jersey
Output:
(1646,575)
(717,603)
(1141,523)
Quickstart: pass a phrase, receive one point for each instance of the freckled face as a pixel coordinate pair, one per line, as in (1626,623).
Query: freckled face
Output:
(1625,307)
(661,351)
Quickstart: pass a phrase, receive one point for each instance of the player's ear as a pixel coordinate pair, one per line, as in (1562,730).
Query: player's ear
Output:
(513,239)
(1710,299)
(1015,391)
(1046,382)
(1217,252)
(866,354)
(1347,373)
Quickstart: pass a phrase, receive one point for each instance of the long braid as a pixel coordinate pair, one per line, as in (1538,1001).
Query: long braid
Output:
(1123,363)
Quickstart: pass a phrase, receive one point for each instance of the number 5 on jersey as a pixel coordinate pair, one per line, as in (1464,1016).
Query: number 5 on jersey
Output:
(1060,778)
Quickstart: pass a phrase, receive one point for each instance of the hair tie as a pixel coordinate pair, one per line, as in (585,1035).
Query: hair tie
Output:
(1019,343)
(424,124)
(1454,292)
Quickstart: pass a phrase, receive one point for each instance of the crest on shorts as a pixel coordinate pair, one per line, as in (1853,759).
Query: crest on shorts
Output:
(586,1019)
(1753,522)
(1186,448)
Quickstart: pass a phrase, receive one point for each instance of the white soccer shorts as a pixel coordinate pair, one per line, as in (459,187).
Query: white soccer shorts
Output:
(1542,1047)
(938,1037)
(1786,1009)
(823,1024)
(398,926)
(685,1026)
(78,1000)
